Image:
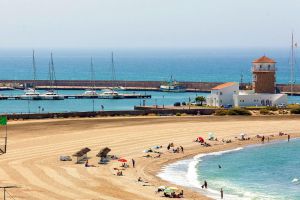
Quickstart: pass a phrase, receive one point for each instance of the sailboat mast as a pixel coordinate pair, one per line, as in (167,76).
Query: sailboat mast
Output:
(92,75)
(50,75)
(34,70)
(292,63)
(113,72)
(53,72)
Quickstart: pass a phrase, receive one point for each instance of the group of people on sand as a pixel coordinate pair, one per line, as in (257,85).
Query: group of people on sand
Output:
(175,149)
(174,195)
(288,135)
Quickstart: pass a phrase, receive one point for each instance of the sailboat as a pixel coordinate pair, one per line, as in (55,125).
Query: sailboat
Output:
(51,94)
(172,86)
(111,93)
(31,93)
(91,91)
(116,86)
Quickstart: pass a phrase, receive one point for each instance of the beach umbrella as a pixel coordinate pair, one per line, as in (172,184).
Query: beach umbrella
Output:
(168,190)
(162,187)
(122,160)
(200,139)
(211,136)
(173,188)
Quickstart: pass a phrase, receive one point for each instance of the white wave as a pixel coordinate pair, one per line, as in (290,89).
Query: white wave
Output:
(184,173)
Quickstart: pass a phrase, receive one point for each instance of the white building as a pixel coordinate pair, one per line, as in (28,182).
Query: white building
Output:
(229,94)
(222,95)
(249,98)
(263,93)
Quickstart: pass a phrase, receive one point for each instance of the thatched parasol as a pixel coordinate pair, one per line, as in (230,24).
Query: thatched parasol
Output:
(103,152)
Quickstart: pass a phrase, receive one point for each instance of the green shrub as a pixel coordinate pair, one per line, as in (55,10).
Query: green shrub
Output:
(239,111)
(234,111)
(295,111)
(178,114)
(221,112)
(264,111)
(271,108)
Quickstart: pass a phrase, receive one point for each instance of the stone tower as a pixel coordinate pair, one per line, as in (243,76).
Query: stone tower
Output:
(263,73)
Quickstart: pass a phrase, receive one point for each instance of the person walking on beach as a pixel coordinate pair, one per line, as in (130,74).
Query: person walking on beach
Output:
(289,137)
(181,147)
(263,139)
(221,191)
(169,146)
(205,184)
(133,163)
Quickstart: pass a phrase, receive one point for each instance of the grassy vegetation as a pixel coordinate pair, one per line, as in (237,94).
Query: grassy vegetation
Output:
(264,112)
(233,111)
(295,110)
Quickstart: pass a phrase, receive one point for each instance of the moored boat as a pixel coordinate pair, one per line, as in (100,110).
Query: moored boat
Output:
(172,86)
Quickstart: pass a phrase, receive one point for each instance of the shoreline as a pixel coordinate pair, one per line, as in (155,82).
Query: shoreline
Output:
(191,191)
(35,146)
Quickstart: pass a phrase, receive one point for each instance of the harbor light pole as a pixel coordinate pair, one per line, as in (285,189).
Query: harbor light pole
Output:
(28,106)
(93,105)
(163,101)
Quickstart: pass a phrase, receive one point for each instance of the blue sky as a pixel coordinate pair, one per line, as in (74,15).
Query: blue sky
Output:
(148,23)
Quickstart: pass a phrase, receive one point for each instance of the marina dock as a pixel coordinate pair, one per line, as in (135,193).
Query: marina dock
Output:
(80,96)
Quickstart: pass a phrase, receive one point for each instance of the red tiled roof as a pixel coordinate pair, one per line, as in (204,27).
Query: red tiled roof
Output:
(264,59)
(224,85)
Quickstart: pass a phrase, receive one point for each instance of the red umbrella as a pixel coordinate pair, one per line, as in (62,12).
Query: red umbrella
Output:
(200,139)
(122,160)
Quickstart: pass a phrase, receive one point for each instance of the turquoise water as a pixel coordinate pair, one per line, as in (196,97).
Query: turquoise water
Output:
(68,105)
(261,172)
(132,64)
(143,64)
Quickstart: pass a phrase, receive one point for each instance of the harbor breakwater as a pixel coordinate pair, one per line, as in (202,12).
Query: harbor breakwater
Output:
(128,85)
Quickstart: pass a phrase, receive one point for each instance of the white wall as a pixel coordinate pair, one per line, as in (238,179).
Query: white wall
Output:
(256,99)
(222,96)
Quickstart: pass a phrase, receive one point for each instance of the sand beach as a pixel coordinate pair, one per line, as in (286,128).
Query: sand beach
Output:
(32,161)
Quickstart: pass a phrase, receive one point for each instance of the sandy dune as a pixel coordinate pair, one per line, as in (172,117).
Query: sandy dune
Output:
(34,148)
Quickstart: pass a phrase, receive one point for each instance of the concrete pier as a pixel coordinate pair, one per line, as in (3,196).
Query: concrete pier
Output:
(120,96)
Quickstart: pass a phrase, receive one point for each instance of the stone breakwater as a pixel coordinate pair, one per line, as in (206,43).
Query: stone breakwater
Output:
(129,85)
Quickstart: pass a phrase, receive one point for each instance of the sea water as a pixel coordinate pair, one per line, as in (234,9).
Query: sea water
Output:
(259,172)
(220,65)
(69,105)
(132,64)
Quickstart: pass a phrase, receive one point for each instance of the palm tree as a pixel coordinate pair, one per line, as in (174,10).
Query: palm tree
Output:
(200,99)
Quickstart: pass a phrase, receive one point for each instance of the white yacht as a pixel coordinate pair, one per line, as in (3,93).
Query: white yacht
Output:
(51,95)
(30,94)
(90,92)
(119,88)
(111,94)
